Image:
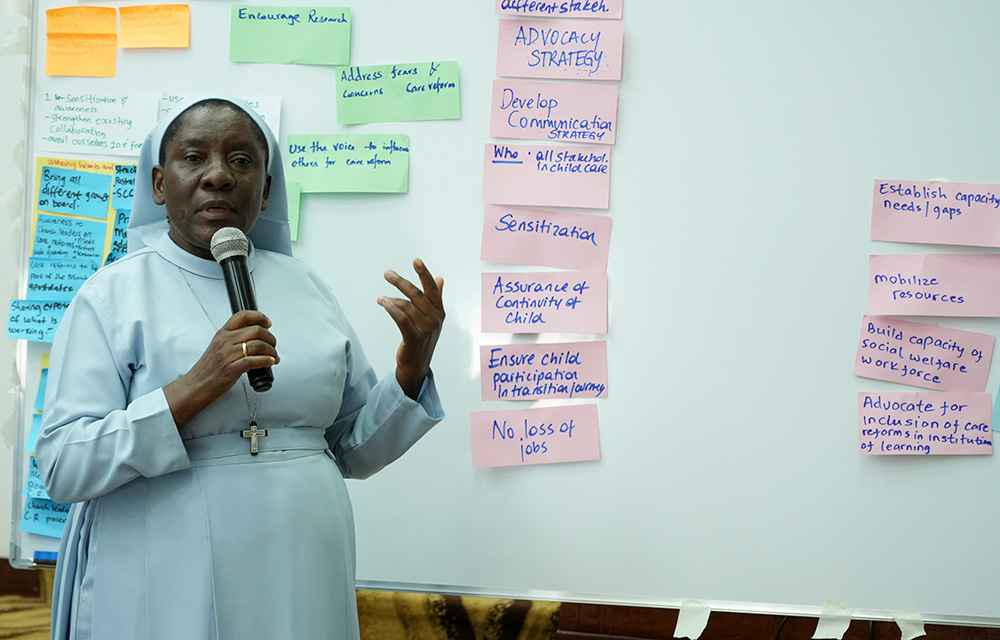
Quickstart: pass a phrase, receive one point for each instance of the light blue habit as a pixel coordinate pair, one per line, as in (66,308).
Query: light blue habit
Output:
(183,534)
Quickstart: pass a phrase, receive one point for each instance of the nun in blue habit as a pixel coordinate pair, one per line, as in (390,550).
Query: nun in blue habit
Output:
(177,531)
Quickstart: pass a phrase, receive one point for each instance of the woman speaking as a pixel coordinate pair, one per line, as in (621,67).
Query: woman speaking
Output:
(178,530)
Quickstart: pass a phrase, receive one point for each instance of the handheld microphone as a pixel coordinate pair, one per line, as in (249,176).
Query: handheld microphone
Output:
(230,249)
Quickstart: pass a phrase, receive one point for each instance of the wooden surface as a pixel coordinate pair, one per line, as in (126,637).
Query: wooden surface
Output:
(602,622)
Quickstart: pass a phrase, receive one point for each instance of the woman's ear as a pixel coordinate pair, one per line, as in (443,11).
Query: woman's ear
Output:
(157,176)
(267,192)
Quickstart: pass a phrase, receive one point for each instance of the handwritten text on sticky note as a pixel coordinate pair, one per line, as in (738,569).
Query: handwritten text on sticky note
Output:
(532,371)
(567,112)
(545,302)
(923,355)
(925,423)
(936,212)
(34,320)
(300,35)
(398,93)
(564,49)
(607,9)
(44,517)
(57,278)
(548,238)
(547,175)
(352,163)
(535,436)
(934,284)
(60,237)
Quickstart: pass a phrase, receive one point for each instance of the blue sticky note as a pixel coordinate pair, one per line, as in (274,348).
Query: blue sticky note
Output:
(57,278)
(33,486)
(119,236)
(44,517)
(40,396)
(124,186)
(59,237)
(34,320)
(79,193)
(36,426)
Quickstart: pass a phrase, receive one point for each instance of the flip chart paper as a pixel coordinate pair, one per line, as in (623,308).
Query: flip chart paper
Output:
(60,237)
(92,55)
(34,320)
(155,25)
(548,238)
(558,111)
(934,284)
(547,175)
(535,371)
(398,93)
(301,35)
(561,9)
(95,121)
(923,355)
(545,302)
(57,278)
(560,49)
(535,436)
(83,19)
(936,213)
(44,517)
(353,163)
(925,423)
(74,192)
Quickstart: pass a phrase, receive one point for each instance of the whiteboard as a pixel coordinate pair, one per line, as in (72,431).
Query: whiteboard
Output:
(749,138)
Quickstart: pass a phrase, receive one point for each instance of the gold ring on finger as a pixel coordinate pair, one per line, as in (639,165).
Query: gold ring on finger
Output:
(245,354)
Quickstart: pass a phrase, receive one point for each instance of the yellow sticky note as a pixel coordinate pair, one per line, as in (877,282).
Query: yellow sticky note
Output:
(81,54)
(82,20)
(155,25)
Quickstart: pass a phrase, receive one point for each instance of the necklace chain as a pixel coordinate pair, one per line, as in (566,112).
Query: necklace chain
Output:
(246,393)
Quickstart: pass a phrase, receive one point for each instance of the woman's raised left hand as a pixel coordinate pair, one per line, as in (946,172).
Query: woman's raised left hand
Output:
(419,317)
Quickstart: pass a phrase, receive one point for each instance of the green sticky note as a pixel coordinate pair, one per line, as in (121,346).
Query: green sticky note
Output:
(299,35)
(354,163)
(398,93)
(294,205)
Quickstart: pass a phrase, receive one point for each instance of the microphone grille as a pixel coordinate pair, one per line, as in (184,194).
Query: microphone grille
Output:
(228,242)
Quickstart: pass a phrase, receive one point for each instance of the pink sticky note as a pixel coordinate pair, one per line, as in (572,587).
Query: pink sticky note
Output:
(936,212)
(535,436)
(545,302)
(934,284)
(610,9)
(923,355)
(547,175)
(533,371)
(547,238)
(559,111)
(560,49)
(925,423)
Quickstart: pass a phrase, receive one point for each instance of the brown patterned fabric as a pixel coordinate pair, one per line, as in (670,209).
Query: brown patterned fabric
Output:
(390,615)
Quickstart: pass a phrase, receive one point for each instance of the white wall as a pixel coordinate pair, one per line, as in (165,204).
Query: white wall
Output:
(12,79)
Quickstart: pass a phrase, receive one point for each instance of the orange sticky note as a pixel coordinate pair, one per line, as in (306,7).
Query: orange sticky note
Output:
(158,25)
(81,54)
(83,20)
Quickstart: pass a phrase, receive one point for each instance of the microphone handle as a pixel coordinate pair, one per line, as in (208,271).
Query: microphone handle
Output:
(241,298)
